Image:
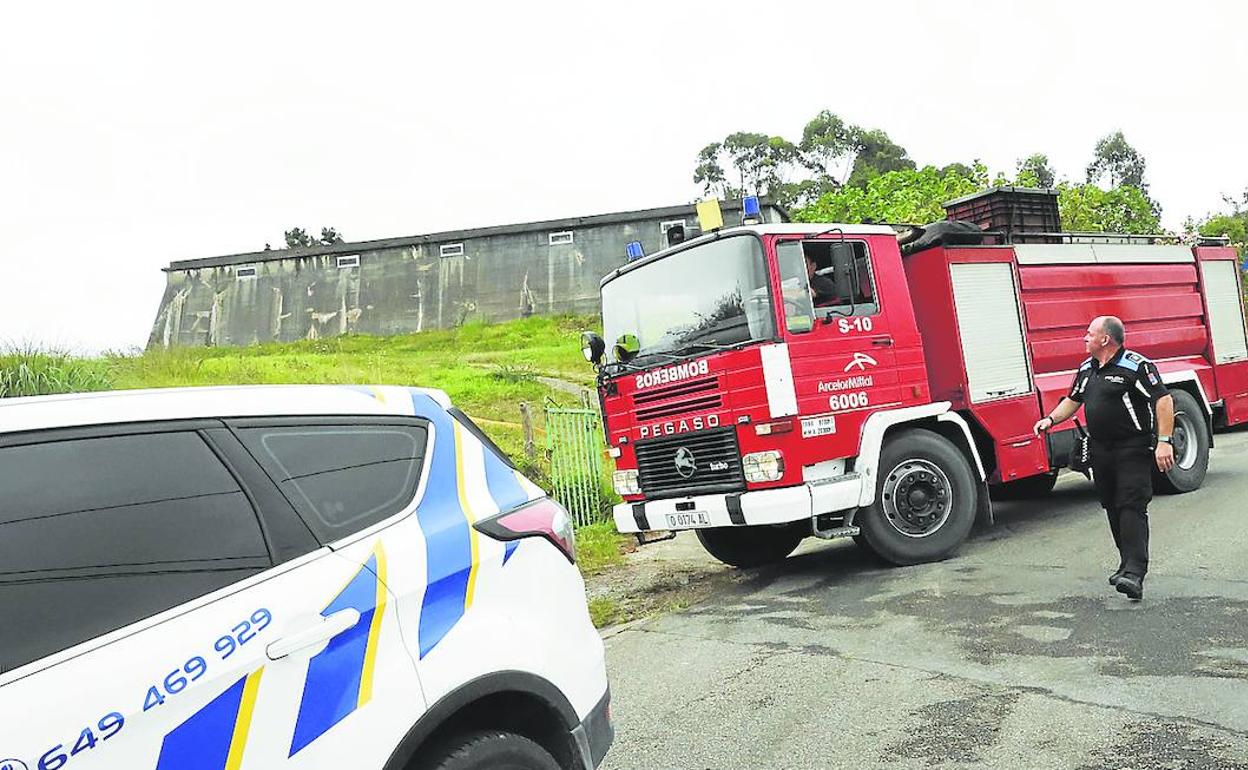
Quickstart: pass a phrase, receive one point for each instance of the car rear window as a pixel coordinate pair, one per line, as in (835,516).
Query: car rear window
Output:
(341,478)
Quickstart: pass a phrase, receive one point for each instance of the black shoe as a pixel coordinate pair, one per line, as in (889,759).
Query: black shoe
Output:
(1113,579)
(1132,586)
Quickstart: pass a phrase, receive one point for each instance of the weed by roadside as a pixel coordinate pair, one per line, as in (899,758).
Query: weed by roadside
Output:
(599,547)
(604,611)
(30,371)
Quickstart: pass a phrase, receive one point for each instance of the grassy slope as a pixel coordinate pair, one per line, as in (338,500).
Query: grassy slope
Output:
(487,370)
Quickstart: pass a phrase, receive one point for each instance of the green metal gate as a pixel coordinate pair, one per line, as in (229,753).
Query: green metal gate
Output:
(574,444)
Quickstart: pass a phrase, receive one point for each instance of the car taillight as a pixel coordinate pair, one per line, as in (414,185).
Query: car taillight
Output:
(540,518)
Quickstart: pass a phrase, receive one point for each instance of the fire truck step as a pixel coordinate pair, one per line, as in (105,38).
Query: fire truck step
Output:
(835,532)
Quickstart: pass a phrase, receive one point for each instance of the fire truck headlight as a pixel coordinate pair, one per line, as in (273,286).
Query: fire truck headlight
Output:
(763,466)
(626,482)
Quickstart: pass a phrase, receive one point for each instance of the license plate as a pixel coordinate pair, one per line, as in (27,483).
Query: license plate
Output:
(686,519)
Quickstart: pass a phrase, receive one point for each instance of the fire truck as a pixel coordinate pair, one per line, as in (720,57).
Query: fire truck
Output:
(771,382)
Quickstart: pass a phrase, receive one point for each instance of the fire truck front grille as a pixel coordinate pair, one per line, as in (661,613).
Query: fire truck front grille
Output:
(695,396)
(704,462)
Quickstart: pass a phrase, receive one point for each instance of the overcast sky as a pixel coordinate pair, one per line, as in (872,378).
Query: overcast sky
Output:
(135,134)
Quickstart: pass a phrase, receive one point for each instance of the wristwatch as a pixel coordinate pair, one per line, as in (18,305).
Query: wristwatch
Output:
(1165,440)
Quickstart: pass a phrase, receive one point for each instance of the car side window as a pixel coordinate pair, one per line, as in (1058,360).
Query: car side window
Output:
(98,533)
(341,478)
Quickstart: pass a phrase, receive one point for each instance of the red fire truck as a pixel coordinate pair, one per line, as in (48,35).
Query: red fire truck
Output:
(771,382)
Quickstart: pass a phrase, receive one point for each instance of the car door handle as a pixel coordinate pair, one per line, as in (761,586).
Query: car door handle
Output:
(884,342)
(324,631)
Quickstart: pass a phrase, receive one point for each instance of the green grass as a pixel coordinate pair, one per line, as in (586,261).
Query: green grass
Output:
(28,371)
(599,547)
(486,369)
(604,611)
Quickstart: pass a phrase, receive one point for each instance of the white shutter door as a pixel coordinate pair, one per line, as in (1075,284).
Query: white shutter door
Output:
(991,329)
(1226,310)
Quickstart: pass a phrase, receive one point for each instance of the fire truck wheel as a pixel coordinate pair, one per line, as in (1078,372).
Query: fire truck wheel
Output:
(1024,489)
(1191,448)
(924,499)
(751,546)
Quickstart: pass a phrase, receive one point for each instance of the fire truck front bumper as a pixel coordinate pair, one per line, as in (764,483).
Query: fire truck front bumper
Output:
(765,506)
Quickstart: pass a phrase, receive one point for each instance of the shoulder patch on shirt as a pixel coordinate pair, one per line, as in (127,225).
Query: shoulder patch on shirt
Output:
(1153,379)
(1131,360)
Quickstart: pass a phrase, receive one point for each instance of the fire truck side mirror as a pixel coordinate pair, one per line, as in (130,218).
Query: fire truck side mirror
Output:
(626,348)
(592,346)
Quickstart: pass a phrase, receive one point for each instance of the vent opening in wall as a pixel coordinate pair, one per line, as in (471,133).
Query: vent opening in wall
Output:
(245,271)
(351,261)
(452,250)
(557,239)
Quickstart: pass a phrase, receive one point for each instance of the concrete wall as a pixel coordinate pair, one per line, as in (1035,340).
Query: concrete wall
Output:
(405,285)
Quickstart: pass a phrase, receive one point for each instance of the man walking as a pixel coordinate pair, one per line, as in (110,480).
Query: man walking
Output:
(1130,418)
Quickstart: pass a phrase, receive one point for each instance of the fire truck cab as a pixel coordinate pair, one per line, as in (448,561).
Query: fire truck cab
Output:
(772,382)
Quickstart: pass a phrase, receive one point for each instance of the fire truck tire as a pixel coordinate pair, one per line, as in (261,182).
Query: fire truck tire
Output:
(751,546)
(1191,448)
(924,499)
(1024,489)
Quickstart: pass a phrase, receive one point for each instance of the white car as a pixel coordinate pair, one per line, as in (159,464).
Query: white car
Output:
(276,577)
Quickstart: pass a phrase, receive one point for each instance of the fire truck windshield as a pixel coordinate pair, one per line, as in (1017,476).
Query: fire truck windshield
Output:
(711,295)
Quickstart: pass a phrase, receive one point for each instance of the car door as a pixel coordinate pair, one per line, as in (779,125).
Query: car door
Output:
(164,623)
(354,482)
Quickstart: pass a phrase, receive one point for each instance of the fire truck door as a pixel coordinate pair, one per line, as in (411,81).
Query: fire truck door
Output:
(844,362)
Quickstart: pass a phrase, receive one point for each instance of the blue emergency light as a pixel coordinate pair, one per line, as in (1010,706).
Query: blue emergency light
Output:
(751,212)
(634,251)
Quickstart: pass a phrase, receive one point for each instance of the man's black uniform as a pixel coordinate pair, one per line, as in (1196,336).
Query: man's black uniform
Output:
(1119,401)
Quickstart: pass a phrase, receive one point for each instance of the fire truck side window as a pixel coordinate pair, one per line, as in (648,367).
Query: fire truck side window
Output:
(799,314)
(842,281)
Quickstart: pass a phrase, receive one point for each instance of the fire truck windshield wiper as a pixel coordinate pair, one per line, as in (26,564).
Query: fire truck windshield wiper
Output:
(694,347)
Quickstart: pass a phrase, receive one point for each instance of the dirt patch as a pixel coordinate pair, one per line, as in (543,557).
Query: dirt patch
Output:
(656,578)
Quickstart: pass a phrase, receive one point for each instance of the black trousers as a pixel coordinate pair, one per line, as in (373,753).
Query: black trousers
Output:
(1123,473)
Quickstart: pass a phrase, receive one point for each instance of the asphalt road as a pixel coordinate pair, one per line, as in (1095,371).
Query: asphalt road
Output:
(1014,654)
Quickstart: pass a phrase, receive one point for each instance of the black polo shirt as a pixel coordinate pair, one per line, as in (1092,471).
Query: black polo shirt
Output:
(1119,398)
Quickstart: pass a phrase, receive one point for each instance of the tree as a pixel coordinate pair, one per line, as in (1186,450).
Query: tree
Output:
(748,164)
(875,154)
(906,195)
(1233,224)
(710,171)
(1035,171)
(1116,158)
(298,238)
(1086,208)
(828,147)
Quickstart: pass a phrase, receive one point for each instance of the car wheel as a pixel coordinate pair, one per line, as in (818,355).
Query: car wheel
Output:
(491,750)
(1191,448)
(925,499)
(751,546)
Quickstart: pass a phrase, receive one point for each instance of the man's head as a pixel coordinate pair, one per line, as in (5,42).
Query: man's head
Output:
(1105,335)
(810,267)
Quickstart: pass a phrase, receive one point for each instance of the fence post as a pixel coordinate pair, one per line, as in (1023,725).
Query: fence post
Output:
(526,420)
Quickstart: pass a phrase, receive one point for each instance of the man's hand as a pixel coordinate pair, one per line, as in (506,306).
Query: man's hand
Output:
(1043,424)
(1165,456)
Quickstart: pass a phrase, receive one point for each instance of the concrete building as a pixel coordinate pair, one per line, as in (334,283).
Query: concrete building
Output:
(401,285)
